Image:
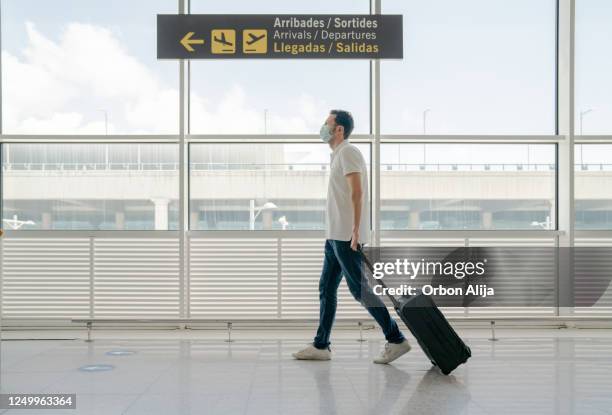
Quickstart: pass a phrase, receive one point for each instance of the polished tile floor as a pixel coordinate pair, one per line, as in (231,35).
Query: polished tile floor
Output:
(176,372)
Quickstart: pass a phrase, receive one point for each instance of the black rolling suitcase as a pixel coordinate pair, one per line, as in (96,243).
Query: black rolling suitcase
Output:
(437,338)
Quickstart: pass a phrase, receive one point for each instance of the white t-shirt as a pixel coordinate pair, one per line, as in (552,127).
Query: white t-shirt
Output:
(345,159)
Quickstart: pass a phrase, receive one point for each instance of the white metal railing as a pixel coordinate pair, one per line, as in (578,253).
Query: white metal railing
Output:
(90,166)
(266,275)
(196,166)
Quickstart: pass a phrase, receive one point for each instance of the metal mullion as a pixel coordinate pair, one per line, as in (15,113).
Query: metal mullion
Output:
(260,234)
(89,139)
(488,139)
(185,253)
(565,149)
(593,233)
(269,138)
(375,8)
(126,234)
(588,139)
(1,160)
(183,204)
(474,234)
(1,100)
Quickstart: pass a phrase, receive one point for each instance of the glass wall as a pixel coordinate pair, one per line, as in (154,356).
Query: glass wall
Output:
(482,67)
(593,116)
(72,69)
(593,67)
(468,186)
(86,67)
(279,96)
(471,67)
(593,174)
(90,186)
(259,187)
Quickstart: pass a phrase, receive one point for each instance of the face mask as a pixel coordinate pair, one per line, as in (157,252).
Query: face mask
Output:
(325,134)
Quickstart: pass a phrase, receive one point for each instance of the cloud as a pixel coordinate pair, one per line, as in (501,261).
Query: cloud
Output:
(66,87)
(236,113)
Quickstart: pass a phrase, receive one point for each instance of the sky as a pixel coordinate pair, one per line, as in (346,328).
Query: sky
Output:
(478,66)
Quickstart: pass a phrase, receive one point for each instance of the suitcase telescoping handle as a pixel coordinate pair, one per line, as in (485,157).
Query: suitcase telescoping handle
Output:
(378,281)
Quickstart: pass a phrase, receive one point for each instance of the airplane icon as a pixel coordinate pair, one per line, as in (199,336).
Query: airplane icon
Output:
(255,41)
(224,41)
(254,38)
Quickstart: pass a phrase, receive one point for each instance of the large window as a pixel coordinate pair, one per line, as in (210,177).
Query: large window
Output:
(90,186)
(86,67)
(472,67)
(593,67)
(277,96)
(259,187)
(469,67)
(75,68)
(467,186)
(593,188)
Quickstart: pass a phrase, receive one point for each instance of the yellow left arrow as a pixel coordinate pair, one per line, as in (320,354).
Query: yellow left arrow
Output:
(187,41)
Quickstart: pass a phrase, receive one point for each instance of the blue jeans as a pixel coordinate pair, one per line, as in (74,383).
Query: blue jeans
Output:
(340,260)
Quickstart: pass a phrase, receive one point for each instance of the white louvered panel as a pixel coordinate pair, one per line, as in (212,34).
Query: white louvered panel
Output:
(45,277)
(518,266)
(348,307)
(593,270)
(596,311)
(235,277)
(598,267)
(136,278)
(302,262)
(593,242)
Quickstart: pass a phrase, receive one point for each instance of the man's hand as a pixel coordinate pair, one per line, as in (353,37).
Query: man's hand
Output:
(355,240)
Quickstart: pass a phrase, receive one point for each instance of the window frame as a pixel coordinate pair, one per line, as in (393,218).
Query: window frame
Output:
(564,139)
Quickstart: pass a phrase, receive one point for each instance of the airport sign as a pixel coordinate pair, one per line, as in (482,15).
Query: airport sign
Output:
(262,36)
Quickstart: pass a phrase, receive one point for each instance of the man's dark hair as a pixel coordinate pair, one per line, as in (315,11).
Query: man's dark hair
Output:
(345,119)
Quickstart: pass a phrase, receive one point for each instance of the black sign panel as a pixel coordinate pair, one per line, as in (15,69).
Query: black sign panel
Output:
(261,36)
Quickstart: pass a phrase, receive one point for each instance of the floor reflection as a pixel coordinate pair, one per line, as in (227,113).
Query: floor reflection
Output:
(552,374)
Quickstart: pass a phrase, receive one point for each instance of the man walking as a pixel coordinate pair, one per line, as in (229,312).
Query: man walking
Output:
(347,217)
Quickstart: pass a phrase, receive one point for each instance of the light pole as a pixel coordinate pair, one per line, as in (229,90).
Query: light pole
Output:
(106,158)
(265,121)
(425,120)
(425,133)
(528,158)
(105,121)
(253,215)
(582,114)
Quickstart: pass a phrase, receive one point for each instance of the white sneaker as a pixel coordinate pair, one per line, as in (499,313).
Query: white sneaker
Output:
(393,351)
(312,353)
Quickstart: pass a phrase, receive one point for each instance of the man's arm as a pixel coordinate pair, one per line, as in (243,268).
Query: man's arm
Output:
(354,181)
